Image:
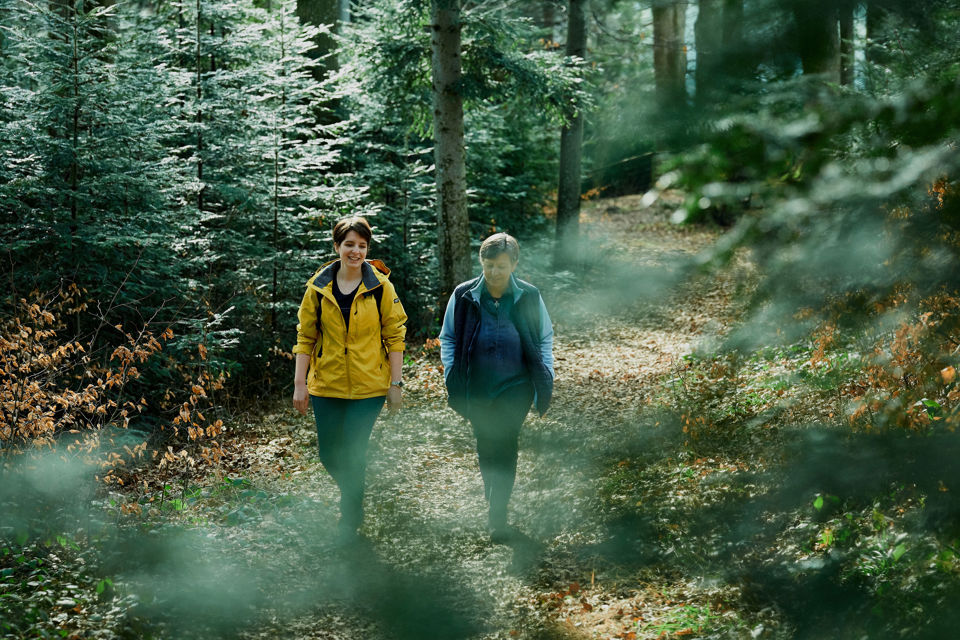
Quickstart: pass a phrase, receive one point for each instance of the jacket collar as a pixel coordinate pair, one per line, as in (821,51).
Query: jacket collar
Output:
(476,290)
(368,274)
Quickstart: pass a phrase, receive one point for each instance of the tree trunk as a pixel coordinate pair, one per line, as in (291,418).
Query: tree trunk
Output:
(709,34)
(732,22)
(199,119)
(734,53)
(278,145)
(571,143)
(549,19)
(453,226)
(669,54)
(846,44)
(319,13)
(75,126)
(876,40)
(818,39)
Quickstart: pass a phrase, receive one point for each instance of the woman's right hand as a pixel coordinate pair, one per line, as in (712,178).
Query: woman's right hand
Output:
(300,397)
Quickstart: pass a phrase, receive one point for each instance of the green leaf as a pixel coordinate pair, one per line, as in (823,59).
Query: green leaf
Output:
(898,551)
(103,585)
(818,503)
(826,537)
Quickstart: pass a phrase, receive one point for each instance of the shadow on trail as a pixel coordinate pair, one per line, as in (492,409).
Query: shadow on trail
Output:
(404,604)
(528,554)
(886,566)
(214,581)
(194,588)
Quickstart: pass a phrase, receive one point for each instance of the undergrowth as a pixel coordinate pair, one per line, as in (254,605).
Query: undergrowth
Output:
(823,466)
(69,432)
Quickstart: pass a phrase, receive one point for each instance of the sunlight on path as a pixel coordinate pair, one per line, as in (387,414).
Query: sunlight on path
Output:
(425,510)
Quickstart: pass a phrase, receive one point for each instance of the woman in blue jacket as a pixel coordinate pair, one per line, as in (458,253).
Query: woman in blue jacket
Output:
(496,345)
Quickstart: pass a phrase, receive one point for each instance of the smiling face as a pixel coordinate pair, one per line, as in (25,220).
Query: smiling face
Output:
(497,271)
(352,251)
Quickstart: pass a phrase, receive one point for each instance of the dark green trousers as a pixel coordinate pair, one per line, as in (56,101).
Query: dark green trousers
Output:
(343,435)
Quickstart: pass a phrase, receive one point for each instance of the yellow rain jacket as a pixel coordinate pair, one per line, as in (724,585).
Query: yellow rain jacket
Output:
(352,366)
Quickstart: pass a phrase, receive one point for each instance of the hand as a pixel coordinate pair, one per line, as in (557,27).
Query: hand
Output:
(300,397)
(394,399)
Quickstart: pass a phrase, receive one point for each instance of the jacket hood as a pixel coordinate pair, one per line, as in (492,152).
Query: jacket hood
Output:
(370,274)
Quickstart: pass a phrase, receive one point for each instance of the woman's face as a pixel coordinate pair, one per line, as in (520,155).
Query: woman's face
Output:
(496,271)
(352,251)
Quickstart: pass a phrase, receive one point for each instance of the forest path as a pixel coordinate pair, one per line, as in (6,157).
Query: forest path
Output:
(428,569)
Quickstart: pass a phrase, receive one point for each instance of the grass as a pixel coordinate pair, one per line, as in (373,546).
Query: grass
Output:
(686,620)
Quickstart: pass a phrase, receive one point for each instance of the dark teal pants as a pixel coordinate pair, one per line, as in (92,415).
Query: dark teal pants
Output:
(343,435)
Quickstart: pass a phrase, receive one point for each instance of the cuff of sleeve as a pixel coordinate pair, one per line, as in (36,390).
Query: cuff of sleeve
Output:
(397,347)
(305,349)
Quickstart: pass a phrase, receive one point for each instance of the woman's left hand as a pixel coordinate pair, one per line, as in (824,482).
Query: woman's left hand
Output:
(394,399)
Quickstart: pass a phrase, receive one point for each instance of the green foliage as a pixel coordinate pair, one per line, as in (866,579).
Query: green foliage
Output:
(618,136)
(168,162)
(512,92)
(82,192)
(835,182)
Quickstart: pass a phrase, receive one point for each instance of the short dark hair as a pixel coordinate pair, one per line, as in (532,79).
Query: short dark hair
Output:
(352,223)
(500,243)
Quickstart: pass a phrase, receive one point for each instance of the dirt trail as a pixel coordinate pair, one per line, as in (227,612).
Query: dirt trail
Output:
(429,570)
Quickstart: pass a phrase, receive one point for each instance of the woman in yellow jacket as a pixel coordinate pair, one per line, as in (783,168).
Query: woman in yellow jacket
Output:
(349,351)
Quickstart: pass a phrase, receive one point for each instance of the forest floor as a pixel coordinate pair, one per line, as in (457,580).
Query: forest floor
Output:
(602,496)
(660,496)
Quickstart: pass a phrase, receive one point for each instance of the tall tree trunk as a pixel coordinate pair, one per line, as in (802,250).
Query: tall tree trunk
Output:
(453,225)
(734,53)
(199,80)
(319,13)
(669,53)
(549,19)
(876,40)
(846,44)
(75,126)
(732,23)
(709,33)
(818,38)
(278,144)
(571,143)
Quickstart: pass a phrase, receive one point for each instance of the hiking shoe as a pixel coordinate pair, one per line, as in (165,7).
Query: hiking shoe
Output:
(504,534)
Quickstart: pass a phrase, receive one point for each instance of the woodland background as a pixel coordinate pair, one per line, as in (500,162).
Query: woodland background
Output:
(171,172)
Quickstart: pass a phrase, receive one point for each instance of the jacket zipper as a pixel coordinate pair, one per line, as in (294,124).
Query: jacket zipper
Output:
(346,337)
(470,346)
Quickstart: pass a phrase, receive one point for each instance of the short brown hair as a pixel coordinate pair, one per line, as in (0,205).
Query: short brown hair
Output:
(500,243)
(352,223)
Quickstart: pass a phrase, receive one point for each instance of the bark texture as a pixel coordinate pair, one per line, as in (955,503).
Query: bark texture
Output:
(319,13)
(846,45)
(709,32)
(571,144)
(453,228)
(876,52)
(818,39)
(732,24)
(669,53)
